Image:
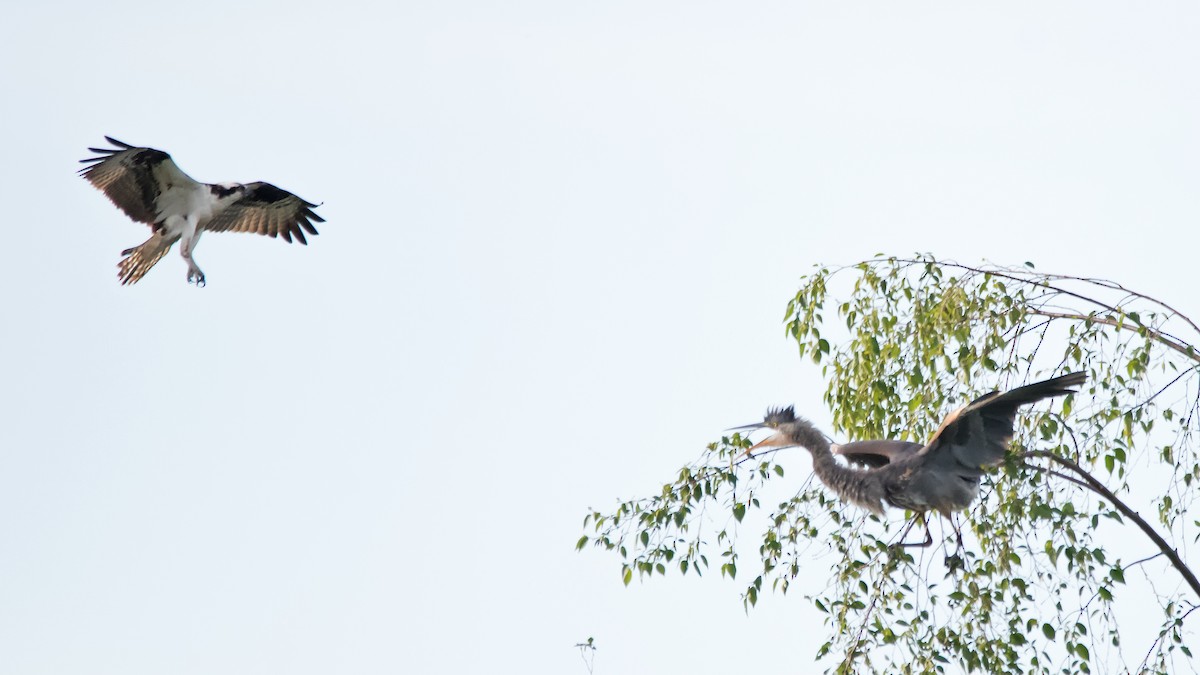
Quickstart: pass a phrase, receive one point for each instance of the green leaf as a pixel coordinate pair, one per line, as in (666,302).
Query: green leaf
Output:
(628,575)
(1048,631)
(581,543)
(739,511)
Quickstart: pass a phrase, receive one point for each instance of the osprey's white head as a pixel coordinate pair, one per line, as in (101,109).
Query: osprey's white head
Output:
(225,191)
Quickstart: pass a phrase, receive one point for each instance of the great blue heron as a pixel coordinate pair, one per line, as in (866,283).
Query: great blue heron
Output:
(942,475)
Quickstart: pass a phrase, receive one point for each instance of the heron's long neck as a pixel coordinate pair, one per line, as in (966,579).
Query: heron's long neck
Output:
(863,488)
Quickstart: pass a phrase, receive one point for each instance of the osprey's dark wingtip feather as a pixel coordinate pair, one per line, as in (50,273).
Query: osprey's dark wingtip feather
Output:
(104,153)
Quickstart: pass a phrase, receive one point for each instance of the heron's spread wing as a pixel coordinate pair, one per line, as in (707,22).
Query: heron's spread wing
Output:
(977,435)
(133,178)
(266,209)
(874,454)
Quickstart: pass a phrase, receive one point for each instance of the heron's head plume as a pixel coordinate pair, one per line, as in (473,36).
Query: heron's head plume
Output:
(778,416)
(782,421)
(772,420)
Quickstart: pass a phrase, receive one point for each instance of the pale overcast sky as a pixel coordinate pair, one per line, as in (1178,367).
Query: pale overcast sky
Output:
(561,237)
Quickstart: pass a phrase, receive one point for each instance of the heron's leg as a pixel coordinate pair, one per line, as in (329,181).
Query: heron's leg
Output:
(957,534)
(954,561)
(924,523)
(908,526)
(928,534)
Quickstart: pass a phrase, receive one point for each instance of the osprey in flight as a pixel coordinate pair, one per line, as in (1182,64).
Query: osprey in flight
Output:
(148,187)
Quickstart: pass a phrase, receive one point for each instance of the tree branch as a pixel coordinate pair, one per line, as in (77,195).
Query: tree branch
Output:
(1013,275)
(1056,474)
(1099,488)
(1157,335)
(1105,283)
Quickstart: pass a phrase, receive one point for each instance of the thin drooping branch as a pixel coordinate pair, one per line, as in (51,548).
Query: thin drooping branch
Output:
(1099,488)
(1165,338)
(1105,283)
(1155,395)
(1173,343)
(1147,559)
(1157,640)
(1019,279)
(1056,474)
(1007,273)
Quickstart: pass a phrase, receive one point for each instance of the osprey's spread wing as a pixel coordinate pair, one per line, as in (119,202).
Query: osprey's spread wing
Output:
(134,178)
(266,209)
(977,435)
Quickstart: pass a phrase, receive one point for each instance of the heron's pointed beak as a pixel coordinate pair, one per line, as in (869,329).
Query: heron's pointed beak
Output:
(747,427)
(775,440)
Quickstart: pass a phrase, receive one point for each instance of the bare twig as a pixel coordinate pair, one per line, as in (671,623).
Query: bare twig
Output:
(587,652)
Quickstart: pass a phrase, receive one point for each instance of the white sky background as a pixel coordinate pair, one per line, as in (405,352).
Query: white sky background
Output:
(560,241)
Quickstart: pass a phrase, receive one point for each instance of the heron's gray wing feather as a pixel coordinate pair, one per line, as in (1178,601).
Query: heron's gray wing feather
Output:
(266,209)
(978,435)
(876,453)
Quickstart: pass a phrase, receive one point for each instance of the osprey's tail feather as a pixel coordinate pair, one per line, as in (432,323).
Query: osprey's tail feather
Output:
(139,259)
